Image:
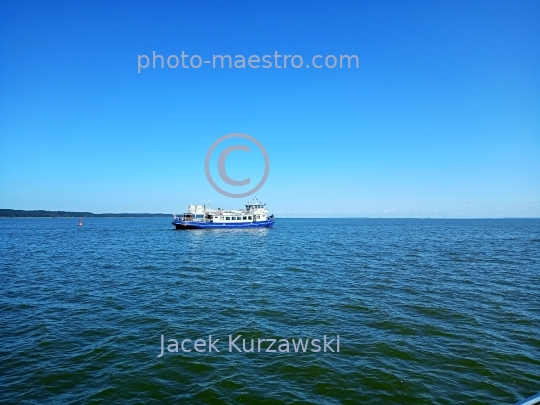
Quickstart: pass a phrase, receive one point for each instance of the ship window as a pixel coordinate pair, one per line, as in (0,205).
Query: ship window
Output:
(227,218)
(244,218)
(238,218)
(249,218)
(258,216)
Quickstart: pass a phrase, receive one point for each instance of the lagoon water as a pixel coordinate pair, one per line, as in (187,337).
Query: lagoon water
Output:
(428,311)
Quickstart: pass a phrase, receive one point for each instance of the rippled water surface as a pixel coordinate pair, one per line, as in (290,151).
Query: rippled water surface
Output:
(428,311)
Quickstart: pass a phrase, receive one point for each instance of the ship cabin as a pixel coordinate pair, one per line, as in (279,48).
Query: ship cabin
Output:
(234,216)
(194,213)
(200,213)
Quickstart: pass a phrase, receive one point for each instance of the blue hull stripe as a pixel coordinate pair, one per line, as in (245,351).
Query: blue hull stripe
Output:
(211,225)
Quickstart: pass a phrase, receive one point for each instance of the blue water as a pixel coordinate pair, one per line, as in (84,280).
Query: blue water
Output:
(428,311)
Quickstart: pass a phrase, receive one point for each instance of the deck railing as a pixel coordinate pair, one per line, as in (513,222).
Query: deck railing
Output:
(534,400)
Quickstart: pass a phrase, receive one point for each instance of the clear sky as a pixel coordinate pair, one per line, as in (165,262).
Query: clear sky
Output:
(441,119)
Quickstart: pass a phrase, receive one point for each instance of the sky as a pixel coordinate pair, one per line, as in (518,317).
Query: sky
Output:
(441,119)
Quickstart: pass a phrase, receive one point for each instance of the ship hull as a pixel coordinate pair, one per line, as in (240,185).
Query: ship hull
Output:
(212,225)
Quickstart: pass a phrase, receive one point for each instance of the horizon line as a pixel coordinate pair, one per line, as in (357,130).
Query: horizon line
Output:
(75,214)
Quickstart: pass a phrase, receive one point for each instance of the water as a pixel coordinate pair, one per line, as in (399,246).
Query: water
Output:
(428,311)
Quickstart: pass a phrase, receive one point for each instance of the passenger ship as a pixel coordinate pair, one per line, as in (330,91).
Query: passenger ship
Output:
(255,215)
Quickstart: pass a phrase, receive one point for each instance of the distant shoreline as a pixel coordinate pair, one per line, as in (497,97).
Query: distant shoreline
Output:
(9,213)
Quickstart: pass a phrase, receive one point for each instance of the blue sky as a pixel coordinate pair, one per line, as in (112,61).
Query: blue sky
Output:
(442,118)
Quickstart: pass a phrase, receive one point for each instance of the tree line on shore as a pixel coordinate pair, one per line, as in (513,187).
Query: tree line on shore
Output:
(68,214)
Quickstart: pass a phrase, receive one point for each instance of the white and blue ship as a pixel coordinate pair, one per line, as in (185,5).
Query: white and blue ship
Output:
(255,215)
